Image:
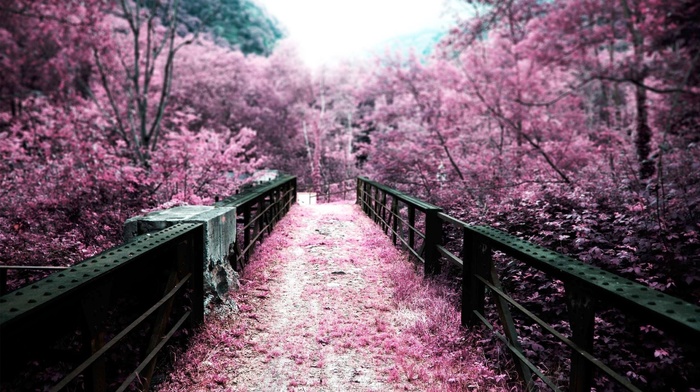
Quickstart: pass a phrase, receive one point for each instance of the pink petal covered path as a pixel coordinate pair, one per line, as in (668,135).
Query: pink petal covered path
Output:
(327,303)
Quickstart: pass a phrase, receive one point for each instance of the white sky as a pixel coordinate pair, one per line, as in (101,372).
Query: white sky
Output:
(327,30)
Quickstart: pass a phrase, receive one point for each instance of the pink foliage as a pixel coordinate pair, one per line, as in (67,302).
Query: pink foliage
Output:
(60,36)
(573,123)
(348,311)
(61,178)
(570,123)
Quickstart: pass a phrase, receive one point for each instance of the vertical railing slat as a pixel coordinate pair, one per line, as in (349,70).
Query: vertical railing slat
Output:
(412,225)
(473,290)
(507,322)
(394,217)
(433,238)
(582,320)
(385,222)
(375,209)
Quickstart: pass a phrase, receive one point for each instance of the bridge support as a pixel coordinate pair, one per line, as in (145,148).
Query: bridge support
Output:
(475,257)
(219,236)
(582,318)
(433,238)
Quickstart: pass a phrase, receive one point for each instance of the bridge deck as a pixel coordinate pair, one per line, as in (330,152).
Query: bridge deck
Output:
(327,303)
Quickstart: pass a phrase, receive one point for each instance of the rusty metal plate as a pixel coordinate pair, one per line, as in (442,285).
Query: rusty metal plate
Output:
(253,193)
(604,285)
(410,200)
(17,303)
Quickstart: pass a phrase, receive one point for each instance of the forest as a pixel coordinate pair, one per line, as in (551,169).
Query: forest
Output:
(572,123)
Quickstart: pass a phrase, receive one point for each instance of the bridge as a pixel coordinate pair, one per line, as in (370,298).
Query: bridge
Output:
(101,324)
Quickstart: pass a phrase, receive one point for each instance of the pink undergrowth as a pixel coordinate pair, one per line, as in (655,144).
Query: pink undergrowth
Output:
(328,303)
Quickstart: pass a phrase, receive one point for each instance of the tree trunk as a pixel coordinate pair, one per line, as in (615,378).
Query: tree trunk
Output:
(642,139)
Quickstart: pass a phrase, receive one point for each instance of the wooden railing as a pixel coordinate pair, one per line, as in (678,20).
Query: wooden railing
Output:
(33,268)
(588,289)
(343,190)
(419,234)
(91,322)
(259,209)
(65,318)
(337,191)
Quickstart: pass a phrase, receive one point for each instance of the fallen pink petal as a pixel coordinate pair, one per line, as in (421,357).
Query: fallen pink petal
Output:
(335,318)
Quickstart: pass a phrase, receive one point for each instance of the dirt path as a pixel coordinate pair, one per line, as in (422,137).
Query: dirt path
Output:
(327,325)
(320,309)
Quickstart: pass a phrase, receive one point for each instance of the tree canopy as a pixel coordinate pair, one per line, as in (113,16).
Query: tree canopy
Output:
(574,123)
(242,23)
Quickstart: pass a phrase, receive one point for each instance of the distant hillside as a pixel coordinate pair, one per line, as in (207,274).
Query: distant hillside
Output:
(242,23)
(422,43)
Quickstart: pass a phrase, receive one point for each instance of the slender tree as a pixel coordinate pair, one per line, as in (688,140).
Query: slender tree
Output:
(136,85)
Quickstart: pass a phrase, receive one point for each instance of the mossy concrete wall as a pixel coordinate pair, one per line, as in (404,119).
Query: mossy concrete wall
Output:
(219,239)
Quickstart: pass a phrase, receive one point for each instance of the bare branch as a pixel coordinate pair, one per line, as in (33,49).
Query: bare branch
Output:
(165,92)
(110,96)
(554,100)
(499,115)
(646,86)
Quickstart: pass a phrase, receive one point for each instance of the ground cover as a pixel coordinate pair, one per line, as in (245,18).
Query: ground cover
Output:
(327,303)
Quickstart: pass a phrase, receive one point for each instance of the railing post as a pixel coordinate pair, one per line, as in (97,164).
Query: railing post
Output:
(95,308)
(269,210)
(376,205)
(281,202)
(582,318)
(362,188)
(195,260)
(160,322)
(368,197)
(3,281)
(385,223)
(506,318)
(365,195)
(290,195)
(433,238)
(275,210)
(412,225)
(395,217)
(246,233)
(259,217)
(473,290)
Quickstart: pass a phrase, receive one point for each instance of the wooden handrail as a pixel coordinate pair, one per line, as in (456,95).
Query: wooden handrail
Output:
(168,266)
(5,268)
(409,200)
(586,286)
(385,211)
(81,298)
(259,209)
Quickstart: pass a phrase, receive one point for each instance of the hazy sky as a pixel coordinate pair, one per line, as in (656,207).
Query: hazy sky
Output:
(326,30)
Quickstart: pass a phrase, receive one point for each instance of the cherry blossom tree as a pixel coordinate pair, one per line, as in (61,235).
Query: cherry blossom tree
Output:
(615,50)
(73,164)
(570,122)
(66,188)
(45,49)
(136,70)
